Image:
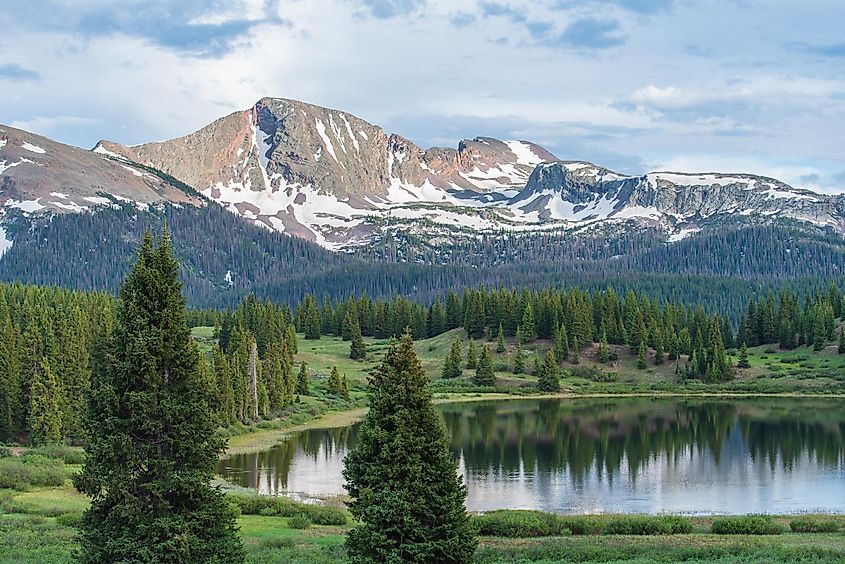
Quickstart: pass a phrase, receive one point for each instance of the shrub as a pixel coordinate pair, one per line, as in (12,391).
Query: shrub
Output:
(519,524)
(325,515)
(813,525)
(299,522)
(69,520)
(5,452)
(277,542)
(582,525)
(748,525)
(647,525)
(67,454)
(14,474)
(284,507)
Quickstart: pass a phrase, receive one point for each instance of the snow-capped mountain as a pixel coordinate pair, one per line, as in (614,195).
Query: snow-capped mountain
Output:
(333,178)
(682,203)
(39,177)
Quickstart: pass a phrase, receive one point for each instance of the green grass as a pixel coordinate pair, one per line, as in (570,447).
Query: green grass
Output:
(38,536)
(801,371)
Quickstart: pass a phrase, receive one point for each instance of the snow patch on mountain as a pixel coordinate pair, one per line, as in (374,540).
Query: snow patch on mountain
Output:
(33,148)
(524,154)
(321,131)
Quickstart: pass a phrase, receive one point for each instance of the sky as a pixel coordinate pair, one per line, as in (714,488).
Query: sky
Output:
(753,86)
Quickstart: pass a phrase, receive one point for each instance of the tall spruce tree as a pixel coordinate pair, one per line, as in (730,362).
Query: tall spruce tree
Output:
(452,367)
(472,355)
(151,443)
(302,380)
(401,476)
(518,359)
(549,377)
(500,340)
(484,375)
(357,348)
(743,356)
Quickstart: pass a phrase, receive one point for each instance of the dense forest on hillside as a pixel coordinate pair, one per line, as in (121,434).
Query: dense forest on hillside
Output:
(225,258)
(49,341)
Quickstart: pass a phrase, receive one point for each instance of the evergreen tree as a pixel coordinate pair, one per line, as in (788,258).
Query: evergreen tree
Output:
(500,340)
(518,359)
(335,383)
(841,348)
(344,388)
(151,443)
(604,352)
(45,415)
(452,366)
(528,324)
(575,351)
(549,379)
(472,355)
(302,380)
(561,343)
(641,355)
(357,348)
(484,375)
(290,339)
(743,356)
(401,476)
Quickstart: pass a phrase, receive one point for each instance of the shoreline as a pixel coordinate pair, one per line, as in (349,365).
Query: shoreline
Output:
(257,441)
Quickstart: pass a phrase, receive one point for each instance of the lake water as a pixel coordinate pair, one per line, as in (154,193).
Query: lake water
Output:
(608,455)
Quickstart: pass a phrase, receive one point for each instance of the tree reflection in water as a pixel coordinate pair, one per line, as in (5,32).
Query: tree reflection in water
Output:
(606,454)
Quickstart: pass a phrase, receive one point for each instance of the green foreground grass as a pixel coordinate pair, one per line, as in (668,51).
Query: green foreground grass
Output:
(39,526)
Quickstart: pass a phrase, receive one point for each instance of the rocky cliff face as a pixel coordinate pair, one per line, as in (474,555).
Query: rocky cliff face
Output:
(330,177)
(327,175)
(41,176)
(582,192)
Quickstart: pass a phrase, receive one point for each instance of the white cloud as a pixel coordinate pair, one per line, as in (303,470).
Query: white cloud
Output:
(746,102)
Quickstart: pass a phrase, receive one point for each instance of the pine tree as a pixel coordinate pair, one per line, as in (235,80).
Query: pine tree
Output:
(604,352)
(472,355)
(484,375)
(302,380)
(575,351)
(406,516)
(45,415)
(641,355)
(841,348)
(344,388)
(549,378)
(151,443)
(500,340)
(561,343)
(452,366)
(290,339)
(529,323)
(335,383)
(518,359)
(743,356)
(357,348)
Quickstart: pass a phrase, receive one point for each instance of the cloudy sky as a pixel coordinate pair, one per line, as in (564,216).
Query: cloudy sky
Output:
(635,85)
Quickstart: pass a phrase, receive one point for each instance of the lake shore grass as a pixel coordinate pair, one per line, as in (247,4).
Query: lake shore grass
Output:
(38,525)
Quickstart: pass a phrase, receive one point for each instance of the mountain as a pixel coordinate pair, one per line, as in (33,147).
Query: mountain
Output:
(337,180)
(411,221)
(38,175)
(331,177)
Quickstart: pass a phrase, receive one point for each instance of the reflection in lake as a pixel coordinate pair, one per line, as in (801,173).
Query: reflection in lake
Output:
(607,455)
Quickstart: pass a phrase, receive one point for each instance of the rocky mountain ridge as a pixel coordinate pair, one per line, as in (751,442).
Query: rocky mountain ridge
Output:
(335,179)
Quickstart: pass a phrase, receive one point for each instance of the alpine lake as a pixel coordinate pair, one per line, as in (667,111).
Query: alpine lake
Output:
(609,455)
